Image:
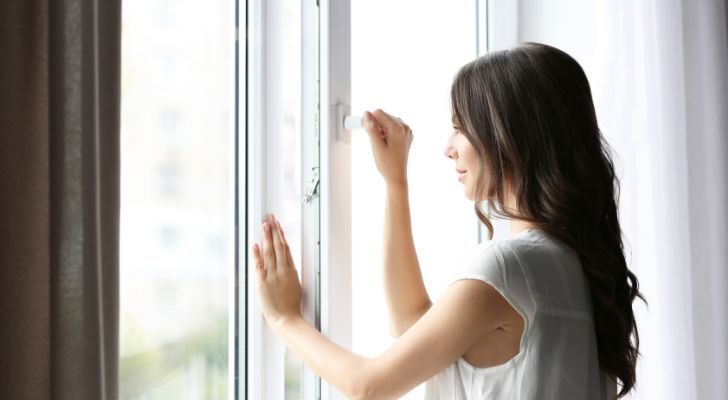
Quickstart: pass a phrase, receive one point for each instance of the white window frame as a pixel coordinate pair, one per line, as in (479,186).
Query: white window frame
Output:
(261,367)
(335,64)
(259,363)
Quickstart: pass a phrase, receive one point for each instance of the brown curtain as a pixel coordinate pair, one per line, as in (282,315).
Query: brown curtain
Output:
(59,201)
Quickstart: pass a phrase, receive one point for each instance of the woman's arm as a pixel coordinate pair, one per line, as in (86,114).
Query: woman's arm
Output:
(468,310)
(404,288)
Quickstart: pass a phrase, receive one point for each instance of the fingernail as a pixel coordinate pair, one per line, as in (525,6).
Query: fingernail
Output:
(266,227)
(367,116)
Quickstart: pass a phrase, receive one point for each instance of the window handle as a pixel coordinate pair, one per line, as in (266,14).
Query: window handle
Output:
(351,122)
(345,122)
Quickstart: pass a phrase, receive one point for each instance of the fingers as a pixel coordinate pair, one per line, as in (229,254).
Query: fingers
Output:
(373,128)
(276,253)
(269,255)
(387,121)
(280,232)
(406,127)
(289,257)
(258,262)
(283,236)
(390,123)
(278,245)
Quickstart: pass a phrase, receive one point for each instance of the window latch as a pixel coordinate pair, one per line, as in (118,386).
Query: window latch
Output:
(312,188)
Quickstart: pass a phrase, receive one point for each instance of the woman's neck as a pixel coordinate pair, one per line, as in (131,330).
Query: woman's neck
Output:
(518,226)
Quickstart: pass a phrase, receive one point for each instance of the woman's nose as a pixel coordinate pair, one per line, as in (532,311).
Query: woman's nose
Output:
(448,152)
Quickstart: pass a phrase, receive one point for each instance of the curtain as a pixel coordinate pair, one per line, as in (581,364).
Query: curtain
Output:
(659,76)
(59,173)
(668,116)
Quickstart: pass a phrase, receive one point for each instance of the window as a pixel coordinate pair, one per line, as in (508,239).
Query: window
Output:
(177,214)
(229,112)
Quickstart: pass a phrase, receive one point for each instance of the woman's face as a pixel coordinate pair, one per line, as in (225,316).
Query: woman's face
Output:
(466,160)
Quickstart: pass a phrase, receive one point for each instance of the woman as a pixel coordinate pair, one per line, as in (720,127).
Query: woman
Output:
(543,314)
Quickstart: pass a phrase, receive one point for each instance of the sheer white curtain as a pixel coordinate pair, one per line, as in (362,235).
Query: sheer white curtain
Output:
(659,76)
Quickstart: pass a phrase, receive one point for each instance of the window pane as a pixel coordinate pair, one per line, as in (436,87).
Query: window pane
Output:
(410,77)
(176,206)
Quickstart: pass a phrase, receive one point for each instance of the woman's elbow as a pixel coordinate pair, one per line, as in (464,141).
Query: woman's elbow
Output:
(361,389)
(367,393)
(366,387)
(359,395)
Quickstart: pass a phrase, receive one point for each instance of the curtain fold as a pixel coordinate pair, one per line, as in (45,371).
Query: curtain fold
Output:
(705,43)
(59,171)
(24,210)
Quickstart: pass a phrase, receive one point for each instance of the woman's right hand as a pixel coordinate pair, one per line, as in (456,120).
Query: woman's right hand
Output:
(390,138)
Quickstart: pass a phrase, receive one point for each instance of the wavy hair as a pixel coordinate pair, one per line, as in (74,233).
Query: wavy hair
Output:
(528,112)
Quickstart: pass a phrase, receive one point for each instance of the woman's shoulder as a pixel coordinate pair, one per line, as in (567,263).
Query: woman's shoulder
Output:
(533,243)
(518,254)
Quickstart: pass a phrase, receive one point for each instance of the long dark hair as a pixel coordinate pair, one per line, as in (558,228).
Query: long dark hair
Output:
(528,112)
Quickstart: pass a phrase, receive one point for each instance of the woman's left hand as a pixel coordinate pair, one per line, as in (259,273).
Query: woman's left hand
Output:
(279,290)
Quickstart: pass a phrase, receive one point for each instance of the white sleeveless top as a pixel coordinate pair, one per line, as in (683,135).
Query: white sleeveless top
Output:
(543,280)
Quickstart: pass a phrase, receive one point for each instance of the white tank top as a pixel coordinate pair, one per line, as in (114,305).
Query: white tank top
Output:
(543,280)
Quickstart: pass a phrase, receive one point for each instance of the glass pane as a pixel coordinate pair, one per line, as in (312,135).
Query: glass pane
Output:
(176,205)
(410,77)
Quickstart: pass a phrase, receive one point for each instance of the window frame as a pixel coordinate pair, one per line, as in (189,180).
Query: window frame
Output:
(260,355)
(335,88)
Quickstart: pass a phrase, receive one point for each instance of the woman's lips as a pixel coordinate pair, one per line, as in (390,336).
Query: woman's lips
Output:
(461,175)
